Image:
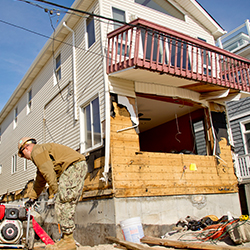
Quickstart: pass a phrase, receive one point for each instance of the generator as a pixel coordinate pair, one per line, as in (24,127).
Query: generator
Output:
(11,223)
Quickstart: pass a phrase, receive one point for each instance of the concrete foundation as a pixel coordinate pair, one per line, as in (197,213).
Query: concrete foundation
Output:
(100,218)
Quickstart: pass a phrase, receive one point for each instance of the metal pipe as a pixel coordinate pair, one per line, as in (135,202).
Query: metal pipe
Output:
(74,71)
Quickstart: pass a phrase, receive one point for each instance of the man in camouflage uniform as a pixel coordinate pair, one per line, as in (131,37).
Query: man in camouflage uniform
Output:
(64,170)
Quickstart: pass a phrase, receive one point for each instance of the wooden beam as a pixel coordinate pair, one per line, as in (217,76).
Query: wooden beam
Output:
(187,245)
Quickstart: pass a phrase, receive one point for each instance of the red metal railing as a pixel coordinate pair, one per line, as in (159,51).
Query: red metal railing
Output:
(143,44)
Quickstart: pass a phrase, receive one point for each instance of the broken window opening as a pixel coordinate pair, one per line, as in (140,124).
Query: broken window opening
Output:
(172,125)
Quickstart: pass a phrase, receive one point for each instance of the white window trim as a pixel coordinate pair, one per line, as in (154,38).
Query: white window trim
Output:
(29,102)
(243,130)
(25,164)
(15,118)
(14,164)
(55,69)
(85,103)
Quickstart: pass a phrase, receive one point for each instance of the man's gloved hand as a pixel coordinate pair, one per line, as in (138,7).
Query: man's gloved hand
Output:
(29,203)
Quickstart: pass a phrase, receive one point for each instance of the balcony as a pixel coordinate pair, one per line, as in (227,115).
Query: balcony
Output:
(242,165)
(151,47)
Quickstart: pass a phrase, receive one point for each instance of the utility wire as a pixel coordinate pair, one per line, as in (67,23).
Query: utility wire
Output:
(85,12)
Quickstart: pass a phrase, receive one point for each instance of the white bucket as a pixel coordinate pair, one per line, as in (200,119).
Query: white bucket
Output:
(132,229)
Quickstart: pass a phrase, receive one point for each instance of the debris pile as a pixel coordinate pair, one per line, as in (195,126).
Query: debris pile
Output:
(213,229)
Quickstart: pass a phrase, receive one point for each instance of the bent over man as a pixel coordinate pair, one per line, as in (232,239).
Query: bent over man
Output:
(64,170)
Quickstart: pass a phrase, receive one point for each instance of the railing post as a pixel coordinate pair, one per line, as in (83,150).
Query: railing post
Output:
(137,42)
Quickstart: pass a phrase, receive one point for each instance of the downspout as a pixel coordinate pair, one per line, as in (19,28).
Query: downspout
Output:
(74,71)
(107,106)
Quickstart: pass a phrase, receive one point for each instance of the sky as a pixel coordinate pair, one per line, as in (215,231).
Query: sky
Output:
(19,47)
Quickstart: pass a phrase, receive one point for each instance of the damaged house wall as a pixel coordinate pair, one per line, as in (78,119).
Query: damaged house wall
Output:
(192,184)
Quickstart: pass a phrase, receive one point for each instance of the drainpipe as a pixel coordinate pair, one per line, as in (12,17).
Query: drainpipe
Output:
(74,71)
(105,172)
(107,133)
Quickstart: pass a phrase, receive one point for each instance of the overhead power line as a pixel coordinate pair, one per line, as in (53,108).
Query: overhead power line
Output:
(85,12)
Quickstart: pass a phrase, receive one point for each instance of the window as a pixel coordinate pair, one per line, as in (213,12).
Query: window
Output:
(58,73)
(1,168)
(92,125)
(120,16)
(15,117)
(200,138)
(25,164)
(29,101)
(14,164)
(90,26)
(246,132)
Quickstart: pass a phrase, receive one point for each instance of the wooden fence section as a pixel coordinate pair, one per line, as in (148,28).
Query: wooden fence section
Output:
(146,45)
(136,173)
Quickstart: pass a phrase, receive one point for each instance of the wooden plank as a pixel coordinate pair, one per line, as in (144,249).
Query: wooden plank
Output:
(185,244)
(156,191)
(132,245)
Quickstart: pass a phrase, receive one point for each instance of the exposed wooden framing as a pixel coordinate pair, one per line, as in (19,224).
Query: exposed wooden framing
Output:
(136,173)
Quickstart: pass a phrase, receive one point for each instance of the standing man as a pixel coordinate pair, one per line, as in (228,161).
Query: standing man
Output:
(64,170)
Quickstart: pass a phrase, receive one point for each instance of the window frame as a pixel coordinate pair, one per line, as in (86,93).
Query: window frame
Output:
(83,129)
(29,101)
(14,164)
(244,132)
(25,164)
(15,118)
(121,47)
(87,32)
(57,69)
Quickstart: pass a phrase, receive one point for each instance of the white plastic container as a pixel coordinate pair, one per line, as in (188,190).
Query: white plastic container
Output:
(132,229)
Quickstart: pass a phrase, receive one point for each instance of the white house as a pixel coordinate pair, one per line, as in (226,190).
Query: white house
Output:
(139,87)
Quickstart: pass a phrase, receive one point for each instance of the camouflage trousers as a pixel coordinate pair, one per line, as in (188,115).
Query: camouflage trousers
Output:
(69,191)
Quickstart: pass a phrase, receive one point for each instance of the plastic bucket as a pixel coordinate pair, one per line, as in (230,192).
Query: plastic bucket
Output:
(132,229)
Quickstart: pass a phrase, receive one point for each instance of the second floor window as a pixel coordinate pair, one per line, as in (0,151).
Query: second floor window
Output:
(15,117)
(58,71)
(14,164)
(118,15)
(29,101)
(90,26)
